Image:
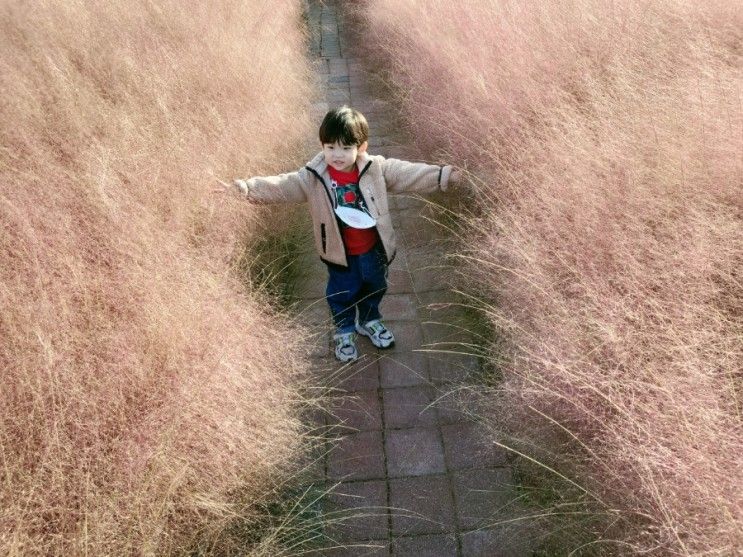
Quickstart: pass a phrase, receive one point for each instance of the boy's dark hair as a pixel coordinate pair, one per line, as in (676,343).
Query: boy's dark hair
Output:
(345,125)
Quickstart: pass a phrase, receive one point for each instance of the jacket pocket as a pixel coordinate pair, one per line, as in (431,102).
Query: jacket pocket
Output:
(323,237)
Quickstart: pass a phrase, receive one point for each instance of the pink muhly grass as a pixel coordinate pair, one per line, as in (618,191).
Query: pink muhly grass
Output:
(146,398)
(606,141)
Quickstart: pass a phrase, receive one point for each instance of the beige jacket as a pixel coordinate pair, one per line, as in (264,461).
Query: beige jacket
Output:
(377,176)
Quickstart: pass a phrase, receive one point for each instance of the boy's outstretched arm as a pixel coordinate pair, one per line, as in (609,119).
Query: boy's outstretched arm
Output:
(403,176)
(284,188)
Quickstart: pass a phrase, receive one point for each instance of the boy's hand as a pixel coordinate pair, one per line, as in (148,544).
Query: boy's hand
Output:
(237,186)
(241,186)
(455,176)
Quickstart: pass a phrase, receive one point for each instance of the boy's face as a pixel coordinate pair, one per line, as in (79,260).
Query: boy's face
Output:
(342,157)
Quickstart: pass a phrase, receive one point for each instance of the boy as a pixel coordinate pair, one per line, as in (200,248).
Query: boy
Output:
(346,189)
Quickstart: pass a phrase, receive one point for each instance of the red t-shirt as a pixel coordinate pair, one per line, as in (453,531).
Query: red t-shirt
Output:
(345,186)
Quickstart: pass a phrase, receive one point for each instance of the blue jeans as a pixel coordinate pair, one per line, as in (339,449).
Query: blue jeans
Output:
(360,286)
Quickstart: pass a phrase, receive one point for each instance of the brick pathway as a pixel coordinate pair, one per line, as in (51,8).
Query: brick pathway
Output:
(412,471)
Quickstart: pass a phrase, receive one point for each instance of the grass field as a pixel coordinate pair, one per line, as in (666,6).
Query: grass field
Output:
(150,400)
(604,142)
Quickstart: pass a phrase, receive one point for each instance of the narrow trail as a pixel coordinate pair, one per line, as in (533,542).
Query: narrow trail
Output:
(411,464)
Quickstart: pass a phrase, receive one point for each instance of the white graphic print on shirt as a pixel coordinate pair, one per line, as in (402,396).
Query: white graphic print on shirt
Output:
(348,195)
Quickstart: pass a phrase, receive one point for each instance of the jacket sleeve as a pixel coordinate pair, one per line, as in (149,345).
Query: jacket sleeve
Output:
(284,188)
(403,176)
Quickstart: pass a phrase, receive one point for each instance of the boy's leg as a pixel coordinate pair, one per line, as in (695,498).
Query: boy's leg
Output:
(342,292)
(373,269)
(374,273)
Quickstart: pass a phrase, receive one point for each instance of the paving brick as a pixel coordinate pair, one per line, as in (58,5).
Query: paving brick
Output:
(408,335)
(459,403)
(448,308)
(362,375)
(357,456)
(320,350)
(337,88)
(399,281)
(414,452)
(421,505)
(356,511)
(373,106)
(400,261)
(397,152)
(453,336)
(313,277)
(408,407)
(423,257)
(432,277)
(411,201)
(408,218)
(437,545)
(467,446)
(403,369)
(366,349)
(339,97)
(359,411)
(406,221)
(371,548)
(421,232)
(358,80)
(399,307)
(321,68)
(314,312)
(382,126)
(509,541)
(316,417)
(371,114)
(483,496)
(358,91)
(313,466)
(447,363)
(392,202)
(338,66)
(357,68)
(311,289)
(319,109)
(379,144)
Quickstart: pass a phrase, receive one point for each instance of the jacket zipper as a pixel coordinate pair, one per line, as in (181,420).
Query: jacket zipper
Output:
(373,201)
(324,185)
(323,232)
(371,195)
(368,190)
(364,169)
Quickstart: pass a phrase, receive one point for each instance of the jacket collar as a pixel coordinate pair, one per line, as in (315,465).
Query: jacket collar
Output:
(362,160)
(318,164)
